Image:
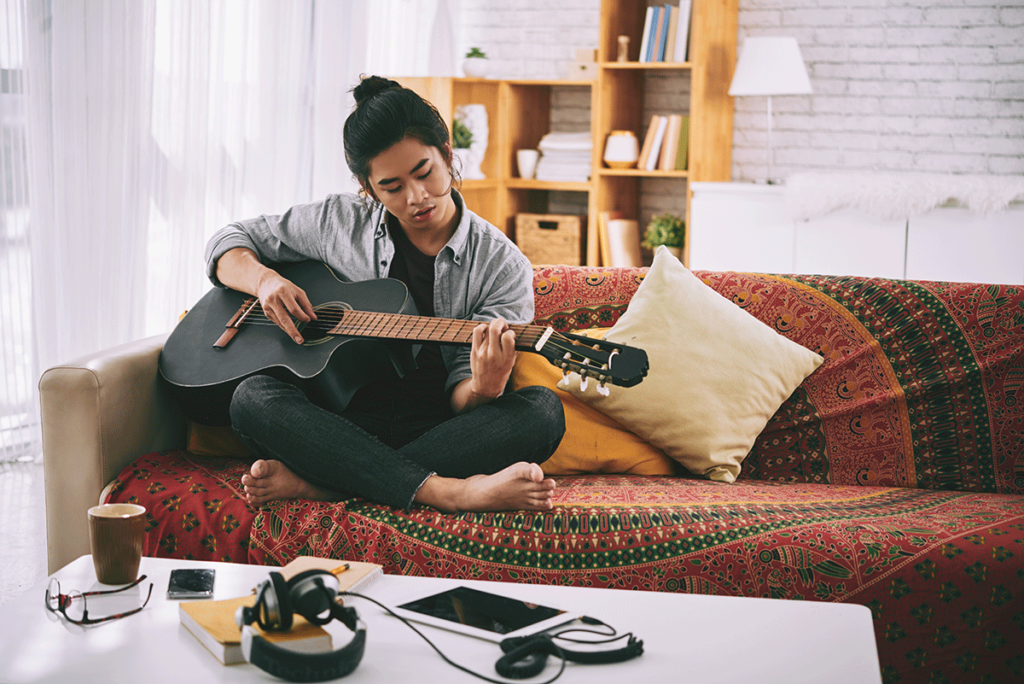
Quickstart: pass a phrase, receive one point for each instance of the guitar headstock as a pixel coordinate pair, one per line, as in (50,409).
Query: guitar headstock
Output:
(600,360)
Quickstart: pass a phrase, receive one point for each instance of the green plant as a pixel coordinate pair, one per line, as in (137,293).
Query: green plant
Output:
(462,137)
(476,52)
(664,229)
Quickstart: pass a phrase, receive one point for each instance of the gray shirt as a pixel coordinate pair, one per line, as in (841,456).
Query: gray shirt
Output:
(479,275)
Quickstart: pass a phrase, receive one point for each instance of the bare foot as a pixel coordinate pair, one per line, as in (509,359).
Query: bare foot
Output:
(520,487)
(273,481)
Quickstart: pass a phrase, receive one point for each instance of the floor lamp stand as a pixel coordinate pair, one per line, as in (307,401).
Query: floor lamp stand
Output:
(768,149)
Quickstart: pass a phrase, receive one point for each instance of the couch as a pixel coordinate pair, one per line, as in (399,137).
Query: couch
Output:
(892,477)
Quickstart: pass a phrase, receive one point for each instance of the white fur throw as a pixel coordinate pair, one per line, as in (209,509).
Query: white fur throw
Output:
(897,196)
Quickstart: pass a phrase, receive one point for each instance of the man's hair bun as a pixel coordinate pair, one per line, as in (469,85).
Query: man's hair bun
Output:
(370,86)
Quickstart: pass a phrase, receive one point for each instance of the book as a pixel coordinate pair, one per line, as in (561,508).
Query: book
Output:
(603,238)
(667,161)
(213,624)
(666,16)
(652,45)
(682,31)
(645,149)
(683,148)
(356,578)
(646,38)
(673,27)
(659,137)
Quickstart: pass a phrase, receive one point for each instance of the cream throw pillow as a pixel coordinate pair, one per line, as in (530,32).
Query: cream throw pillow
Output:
(717,374)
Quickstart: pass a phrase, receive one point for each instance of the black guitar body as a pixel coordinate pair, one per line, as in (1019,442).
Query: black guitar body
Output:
(328,368)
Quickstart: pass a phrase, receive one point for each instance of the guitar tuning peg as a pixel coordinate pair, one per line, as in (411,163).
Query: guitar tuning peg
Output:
(564,382)
(603,390)
(584,381)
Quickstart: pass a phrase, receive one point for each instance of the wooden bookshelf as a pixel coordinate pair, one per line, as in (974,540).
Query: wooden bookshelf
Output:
(619,104)
(519,114)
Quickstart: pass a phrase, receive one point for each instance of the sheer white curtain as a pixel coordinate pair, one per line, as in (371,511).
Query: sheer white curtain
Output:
(249,99)
(412,38)
(132,130)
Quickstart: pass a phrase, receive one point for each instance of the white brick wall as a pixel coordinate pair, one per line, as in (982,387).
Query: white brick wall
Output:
(527,38)
(899,85)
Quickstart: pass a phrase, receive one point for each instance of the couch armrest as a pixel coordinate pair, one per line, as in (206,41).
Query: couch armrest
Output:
(99,413)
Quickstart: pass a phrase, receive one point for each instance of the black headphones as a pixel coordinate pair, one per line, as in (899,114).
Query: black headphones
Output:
(310,594)
(526,656)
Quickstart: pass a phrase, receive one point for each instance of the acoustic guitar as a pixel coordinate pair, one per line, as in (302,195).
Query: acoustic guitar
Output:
(363,329)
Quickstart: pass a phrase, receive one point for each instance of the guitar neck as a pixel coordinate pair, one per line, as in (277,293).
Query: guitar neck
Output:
(424,329)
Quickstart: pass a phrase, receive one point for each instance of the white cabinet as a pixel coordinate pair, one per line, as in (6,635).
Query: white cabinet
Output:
(960,245)
(734,227)
(747,227)
(848,242)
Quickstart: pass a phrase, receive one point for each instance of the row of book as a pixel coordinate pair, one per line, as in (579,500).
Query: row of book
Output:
(666,144)
(666,33)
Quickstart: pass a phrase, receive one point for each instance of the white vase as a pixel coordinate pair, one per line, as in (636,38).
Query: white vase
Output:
(621,150)
(476,67)
(463,156)
(474,116)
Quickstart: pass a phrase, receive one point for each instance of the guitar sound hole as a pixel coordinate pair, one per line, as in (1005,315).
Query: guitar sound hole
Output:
(327,317)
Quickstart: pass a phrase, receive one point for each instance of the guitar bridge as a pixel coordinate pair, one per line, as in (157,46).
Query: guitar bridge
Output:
(232,327)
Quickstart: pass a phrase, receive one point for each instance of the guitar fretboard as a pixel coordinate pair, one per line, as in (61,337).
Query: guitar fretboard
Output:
(422,328)
(336,321)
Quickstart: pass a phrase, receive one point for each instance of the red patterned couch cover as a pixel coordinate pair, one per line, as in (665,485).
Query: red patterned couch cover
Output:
(892,478)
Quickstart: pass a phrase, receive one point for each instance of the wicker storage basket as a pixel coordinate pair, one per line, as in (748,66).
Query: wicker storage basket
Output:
(551,238)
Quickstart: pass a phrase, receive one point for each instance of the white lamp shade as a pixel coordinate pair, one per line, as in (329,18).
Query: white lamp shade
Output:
(770,66)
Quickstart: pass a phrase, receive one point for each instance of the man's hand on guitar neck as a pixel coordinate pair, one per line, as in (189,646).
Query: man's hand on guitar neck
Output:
(240,269)
(491,360)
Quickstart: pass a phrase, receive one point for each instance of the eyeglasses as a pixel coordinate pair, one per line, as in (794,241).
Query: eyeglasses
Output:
(73,604)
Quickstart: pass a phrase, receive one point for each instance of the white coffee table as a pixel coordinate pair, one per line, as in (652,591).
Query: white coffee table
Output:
(687,638)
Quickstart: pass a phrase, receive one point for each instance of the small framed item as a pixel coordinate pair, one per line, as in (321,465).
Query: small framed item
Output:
(482,614)
(190,583)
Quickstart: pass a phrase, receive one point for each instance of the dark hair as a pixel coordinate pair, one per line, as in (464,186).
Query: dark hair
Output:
(387,113)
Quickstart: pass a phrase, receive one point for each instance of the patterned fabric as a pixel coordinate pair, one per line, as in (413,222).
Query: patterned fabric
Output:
(892,478)
(922,386)
(195,508)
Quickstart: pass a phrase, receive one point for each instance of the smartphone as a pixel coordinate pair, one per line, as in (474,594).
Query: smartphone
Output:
(190,583)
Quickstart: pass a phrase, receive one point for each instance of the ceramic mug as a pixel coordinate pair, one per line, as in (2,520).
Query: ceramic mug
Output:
(526,162)
(117,533)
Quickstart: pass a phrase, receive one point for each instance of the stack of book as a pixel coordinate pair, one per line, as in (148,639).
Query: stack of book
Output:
(666,144)
(666,33)
(565,157)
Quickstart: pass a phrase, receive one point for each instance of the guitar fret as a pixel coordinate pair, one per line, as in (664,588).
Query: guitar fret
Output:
(434,323)
(391,327)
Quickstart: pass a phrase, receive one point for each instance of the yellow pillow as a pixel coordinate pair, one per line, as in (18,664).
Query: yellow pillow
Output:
(207,440)
(717,374)
(593,442)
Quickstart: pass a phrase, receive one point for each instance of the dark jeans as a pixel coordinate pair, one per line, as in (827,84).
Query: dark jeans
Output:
(386,457)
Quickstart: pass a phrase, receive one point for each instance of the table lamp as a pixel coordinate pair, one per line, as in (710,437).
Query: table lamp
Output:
(770,66)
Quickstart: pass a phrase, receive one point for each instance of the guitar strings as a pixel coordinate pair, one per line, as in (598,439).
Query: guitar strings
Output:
(363,324)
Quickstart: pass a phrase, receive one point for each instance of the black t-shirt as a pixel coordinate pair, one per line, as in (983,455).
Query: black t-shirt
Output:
(420,393)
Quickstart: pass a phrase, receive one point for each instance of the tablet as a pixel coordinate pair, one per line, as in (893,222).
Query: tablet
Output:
(482,614)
